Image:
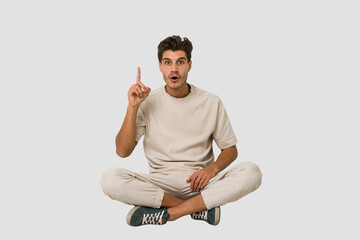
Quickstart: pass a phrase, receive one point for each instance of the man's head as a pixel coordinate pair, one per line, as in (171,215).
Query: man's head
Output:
(175,43)
(174,56)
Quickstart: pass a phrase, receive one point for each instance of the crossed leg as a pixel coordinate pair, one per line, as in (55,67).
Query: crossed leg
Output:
(142,190)
(177,207)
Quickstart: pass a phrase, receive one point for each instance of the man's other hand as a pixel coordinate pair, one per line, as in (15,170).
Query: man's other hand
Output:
(199,179)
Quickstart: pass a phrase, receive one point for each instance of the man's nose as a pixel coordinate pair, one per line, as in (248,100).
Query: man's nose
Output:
(174,68)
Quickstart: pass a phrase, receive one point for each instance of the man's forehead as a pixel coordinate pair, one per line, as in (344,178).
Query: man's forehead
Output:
(173,55)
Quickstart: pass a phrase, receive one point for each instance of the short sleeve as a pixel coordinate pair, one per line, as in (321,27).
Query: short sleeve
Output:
(223,134)
(140,124)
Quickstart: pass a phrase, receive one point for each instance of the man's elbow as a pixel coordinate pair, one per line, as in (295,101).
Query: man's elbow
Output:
(123,151)
(122,154)
(235,153)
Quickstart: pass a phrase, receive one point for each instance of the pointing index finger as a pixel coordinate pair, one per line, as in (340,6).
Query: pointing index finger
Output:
(138,74)
(143,87)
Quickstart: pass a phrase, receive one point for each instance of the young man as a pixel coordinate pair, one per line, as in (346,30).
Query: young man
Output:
(179,122)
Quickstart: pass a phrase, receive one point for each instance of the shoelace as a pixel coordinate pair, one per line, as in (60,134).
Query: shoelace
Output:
(200,215)
(153,218)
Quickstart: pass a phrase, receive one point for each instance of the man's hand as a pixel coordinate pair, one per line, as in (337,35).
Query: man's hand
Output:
(200,178)
(138,92)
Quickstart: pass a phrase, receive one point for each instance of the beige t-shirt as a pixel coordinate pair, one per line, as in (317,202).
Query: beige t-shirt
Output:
(178,132)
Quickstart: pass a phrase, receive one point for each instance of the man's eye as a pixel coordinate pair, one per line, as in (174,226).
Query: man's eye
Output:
(180,62)
(167,62)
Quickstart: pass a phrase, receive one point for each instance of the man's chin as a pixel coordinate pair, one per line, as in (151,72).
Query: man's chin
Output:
(173,84)
(176,85)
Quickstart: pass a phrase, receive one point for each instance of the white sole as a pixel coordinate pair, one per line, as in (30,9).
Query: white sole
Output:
(128,217)
(217,216)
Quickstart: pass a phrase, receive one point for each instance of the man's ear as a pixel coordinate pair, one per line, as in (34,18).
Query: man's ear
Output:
(160,66)
(190,62)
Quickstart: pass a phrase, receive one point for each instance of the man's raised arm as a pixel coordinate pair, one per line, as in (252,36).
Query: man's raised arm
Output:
(125,139)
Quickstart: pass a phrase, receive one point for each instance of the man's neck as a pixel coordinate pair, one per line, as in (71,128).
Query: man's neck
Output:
(178,93)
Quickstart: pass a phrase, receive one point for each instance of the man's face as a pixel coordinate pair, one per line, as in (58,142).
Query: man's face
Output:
(175,67)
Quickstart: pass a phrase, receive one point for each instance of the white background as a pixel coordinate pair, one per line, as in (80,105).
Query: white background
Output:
(287,72)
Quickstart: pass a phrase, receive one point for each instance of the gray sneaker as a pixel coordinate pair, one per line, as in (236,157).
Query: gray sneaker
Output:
(145,215)
(211,216)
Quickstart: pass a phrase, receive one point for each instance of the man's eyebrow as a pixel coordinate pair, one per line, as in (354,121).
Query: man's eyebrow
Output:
(180,58)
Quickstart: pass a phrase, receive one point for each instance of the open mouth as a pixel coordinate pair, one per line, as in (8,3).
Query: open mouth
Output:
(174,78)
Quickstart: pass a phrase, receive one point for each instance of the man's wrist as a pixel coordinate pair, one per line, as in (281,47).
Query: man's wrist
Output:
(132,108)
(213,169)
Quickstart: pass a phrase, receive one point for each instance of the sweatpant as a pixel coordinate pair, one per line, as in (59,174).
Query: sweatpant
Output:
(148,189)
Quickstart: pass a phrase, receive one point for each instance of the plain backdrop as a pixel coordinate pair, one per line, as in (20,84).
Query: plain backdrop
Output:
(287,72)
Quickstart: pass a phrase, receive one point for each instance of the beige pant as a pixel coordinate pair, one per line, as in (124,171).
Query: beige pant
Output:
(148,189)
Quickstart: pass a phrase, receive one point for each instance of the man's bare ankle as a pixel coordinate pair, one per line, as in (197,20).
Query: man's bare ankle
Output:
(172,215)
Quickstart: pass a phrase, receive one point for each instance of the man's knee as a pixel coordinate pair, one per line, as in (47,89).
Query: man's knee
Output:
(111,181)
(253,173)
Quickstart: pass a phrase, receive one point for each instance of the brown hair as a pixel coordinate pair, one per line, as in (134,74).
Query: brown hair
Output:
(175,43)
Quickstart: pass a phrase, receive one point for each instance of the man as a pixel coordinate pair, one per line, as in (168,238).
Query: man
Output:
(179,122)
